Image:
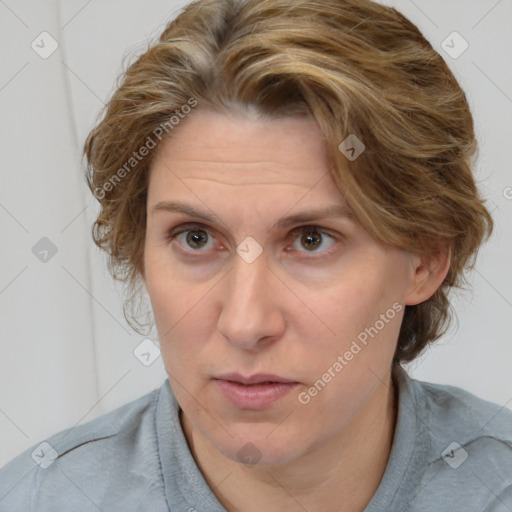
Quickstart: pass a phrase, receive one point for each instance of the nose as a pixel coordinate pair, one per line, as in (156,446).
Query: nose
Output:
(251,312)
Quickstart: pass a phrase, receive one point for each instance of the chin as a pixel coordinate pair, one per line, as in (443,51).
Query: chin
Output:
(253,454)
(260,448)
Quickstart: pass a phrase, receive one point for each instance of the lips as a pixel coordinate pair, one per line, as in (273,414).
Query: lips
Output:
(255,392)
(253,379)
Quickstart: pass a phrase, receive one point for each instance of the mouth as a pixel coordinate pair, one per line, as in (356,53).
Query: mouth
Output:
(255,392)
(259,378)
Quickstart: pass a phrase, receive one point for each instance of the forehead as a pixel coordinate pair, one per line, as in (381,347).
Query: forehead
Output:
(239,151)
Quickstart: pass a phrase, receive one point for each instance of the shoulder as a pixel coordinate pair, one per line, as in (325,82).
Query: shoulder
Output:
(462,414)
(469,448)
(75,468)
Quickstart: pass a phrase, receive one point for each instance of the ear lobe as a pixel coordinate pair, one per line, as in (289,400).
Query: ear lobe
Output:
(429,273)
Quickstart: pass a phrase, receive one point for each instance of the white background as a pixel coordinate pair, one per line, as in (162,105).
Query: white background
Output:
(66,352)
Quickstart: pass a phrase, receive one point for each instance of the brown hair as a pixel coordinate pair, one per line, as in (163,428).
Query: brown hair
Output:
(358,68)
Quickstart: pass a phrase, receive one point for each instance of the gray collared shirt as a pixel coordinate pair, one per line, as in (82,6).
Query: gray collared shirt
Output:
(451,452)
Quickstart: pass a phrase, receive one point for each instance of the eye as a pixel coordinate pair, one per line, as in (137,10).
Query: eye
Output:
(195,238)
(313,239)
(192,237)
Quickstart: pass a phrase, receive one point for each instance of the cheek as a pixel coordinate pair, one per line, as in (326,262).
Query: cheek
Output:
(346,368)
(181,312)
(363,313)
(171,295)
(355,301)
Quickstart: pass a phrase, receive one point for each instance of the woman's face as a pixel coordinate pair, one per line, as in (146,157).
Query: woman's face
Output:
(247,292)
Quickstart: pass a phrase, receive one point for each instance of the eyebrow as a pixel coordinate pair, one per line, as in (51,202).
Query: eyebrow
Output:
(330,211)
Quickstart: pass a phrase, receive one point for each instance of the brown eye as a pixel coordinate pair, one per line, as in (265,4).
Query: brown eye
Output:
(311,240)
(192,238)
(196,239)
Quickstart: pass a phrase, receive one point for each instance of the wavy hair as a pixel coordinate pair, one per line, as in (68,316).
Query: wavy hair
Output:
(358,68)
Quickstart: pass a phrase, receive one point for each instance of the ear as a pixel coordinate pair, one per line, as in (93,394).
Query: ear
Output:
(429,273)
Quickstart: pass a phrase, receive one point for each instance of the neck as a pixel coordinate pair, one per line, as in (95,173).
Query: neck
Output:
(339,476)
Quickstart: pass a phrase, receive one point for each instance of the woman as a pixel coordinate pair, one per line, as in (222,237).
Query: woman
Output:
(291,184)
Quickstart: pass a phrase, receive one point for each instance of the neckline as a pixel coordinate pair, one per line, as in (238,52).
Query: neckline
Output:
(181,475)
(409,449)
(183,478)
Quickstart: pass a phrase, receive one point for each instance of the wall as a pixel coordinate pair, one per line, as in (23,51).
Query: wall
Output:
(66,352)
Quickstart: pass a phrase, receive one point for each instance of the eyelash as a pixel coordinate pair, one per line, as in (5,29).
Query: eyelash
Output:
(184,228)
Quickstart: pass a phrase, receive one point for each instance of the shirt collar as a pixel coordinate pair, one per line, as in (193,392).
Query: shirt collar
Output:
(409,450)
(186,487)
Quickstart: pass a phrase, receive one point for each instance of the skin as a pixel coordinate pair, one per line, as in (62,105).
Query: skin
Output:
(290,312)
